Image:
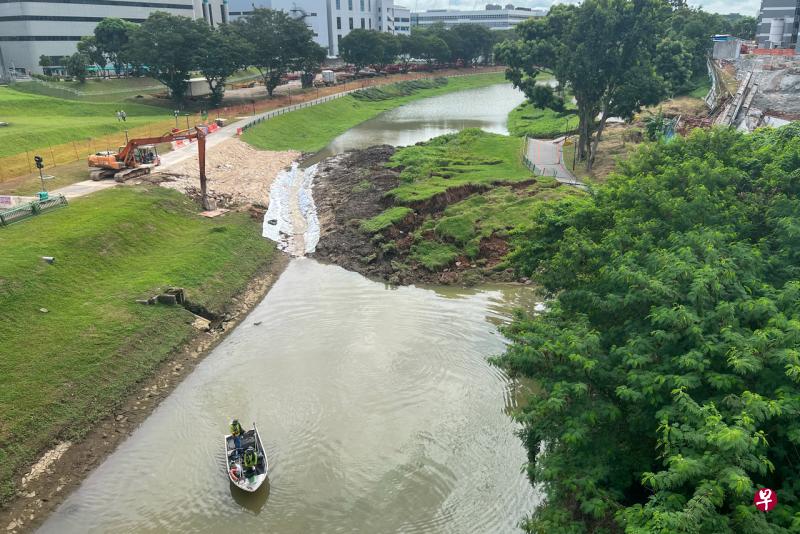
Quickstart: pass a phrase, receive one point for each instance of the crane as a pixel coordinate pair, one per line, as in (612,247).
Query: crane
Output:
(139,156)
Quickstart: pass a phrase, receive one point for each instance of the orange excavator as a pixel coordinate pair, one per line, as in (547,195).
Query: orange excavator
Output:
(140,156)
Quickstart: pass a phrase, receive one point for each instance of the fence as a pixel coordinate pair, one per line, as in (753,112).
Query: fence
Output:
(21,164)
(552,171)
(31,209)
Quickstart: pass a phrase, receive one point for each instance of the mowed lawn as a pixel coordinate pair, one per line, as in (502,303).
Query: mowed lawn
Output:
(310,129)
(63,368)
(37,121)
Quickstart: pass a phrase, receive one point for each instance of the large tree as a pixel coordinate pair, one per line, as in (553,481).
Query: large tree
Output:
(221,53)
(667,360)
(361,48)
(277,43)
(88,47)
(169,46)
(78,66)
(476,42)
(601,50)
(429,47)
(111,36)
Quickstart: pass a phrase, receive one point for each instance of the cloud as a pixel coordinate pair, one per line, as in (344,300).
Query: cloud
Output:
(745,7)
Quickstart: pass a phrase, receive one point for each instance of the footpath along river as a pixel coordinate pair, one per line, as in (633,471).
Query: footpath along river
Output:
(377,405)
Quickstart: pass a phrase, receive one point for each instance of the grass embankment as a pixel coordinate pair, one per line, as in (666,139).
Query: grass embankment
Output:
(37,121)
(486,172)
(541,123)
(310,129)
(62,369)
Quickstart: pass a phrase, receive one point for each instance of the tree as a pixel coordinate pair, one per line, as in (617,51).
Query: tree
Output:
(111,36)
(673,62)
(88,47)
(616,82)
(169,46)
(78,66)
(221,54)
(390,49)
(311,60)
(405,47)
(430,48)
(744,28)
(667,363)
(361,48)
(277,43)
(476,42)
(45,62)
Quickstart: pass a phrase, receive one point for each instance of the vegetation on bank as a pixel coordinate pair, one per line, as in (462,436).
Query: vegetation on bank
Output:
(465,188)
(310,129)
(539,123)
(667,362)
(37,121)
(74,341)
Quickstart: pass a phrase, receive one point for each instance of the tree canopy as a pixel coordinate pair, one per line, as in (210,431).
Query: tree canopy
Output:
(361,48)
(111,37)
(667,362)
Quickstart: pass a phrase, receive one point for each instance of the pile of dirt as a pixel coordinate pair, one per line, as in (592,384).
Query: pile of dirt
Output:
(352,187)
(237,173)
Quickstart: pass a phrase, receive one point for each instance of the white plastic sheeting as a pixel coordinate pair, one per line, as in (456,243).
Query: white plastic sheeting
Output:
(291,219)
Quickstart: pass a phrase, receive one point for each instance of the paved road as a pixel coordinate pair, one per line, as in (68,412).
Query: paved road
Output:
(548,158)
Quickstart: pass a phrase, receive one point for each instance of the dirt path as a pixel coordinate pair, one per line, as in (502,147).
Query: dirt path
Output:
(237,173)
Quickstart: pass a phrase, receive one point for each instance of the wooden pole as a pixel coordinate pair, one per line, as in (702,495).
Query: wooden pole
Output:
(53,156)
(28,159)
(75,148)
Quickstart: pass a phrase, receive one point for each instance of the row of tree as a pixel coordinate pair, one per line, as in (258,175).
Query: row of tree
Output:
(467,44)
(613,57)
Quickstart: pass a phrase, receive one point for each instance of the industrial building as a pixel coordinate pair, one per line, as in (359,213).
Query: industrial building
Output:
(493,17)
(32,28)
(778,22)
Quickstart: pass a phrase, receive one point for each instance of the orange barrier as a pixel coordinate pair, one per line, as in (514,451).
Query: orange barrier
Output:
(773,51)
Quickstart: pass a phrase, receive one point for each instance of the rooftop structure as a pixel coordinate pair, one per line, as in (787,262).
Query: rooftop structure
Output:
(493,17)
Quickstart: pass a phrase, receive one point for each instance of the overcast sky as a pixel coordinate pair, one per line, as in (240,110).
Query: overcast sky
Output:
(745,7)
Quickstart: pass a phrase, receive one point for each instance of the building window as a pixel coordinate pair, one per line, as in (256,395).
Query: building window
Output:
(338,23)
(350,5)
(362,24)
(338,4)
(338,41)
(369,5)
(351,23)
(370,24)
(362,5)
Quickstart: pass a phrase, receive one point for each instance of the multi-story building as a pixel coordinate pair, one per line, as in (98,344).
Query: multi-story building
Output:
(778,22)
(493,17)
(33,28)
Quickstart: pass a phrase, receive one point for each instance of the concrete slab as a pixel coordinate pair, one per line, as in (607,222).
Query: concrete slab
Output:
(86,187)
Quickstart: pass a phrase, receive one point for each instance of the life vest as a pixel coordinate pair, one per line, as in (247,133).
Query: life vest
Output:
(236,429)
(250,459)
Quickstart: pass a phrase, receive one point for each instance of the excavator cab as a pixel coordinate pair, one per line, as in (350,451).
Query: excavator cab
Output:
(146,155)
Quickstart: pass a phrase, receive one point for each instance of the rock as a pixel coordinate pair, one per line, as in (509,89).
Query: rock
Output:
(202,324)
(273,222)
(43,310)
(120,417)
(257,323)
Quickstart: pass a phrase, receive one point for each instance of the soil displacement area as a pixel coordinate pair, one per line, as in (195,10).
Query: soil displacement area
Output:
(444,211)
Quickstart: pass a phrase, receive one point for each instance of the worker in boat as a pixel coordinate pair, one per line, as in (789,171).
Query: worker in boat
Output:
(236,432)
(249,461)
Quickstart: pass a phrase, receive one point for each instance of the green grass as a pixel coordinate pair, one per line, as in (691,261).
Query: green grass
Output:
(541,123)
(95,89)
(65,368)
(471,157)
(36,121)
(702,87)
(433,255)
(310,129)
(385,220)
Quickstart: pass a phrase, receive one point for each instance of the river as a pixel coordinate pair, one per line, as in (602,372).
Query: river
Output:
(377,405)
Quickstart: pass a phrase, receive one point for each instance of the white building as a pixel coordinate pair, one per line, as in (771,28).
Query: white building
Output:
(491,17)
(30,29)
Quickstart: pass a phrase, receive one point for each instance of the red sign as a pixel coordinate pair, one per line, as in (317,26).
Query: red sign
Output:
(765,499)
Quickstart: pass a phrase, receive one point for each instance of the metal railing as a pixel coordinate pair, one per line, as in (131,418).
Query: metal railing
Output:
(31,209)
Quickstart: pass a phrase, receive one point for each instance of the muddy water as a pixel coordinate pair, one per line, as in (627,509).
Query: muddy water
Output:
(486,108)
(378,408)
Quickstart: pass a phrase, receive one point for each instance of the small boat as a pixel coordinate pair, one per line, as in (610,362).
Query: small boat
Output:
(247,481)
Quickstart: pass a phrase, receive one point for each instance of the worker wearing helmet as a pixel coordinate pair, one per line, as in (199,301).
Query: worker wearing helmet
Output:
(250,460)
(236,432)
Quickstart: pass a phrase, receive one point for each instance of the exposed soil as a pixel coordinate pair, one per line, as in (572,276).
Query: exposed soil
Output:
(237,173)
(352,187)
(44,486)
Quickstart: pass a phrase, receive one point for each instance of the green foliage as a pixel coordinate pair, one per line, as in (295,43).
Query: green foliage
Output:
(112,40)
(667,361)
(77,66)
(361,48)
(528,120)
(470,158)
(433,255)
(385,219)
(63,370)
(168,45)
(387,92)
(310,129)
(221,54)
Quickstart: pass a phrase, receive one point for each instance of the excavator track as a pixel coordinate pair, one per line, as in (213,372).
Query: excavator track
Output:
(127,174)
(98,173)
